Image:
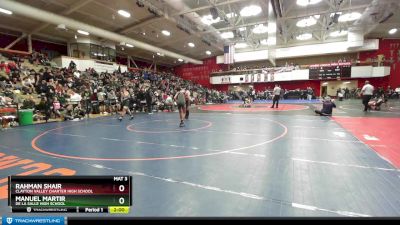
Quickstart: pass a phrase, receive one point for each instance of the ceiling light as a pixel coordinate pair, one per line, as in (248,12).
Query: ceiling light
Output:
(124,13)
(338,33)
(208,52)
(307,2)
(227,35)
(83,32)
(144,33)
(230,15)
(252,10)
(242,28)
(349,17)
(392,31)
(336,13)
(208,20)
(303,37)
(310,21)
(241,45)
(129,45)
(5,11)
(260,29)
(166,33)
(180,60)
(191,44)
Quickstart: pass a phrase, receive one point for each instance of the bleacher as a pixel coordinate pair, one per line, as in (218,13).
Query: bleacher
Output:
(9,112)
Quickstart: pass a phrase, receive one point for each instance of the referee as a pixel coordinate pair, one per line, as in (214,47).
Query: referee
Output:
(277,94)
(367,92)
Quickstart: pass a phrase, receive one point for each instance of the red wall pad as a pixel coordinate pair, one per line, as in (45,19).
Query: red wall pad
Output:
(199,73)
(390,48)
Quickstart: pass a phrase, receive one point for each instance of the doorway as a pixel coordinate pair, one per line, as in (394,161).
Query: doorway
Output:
(330,88)
(324,91)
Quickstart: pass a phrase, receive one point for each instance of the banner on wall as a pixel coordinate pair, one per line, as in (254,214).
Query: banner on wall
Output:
(265,73)
(226,80)
(330,71)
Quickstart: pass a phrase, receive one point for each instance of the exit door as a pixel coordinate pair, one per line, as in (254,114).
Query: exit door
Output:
(324,91)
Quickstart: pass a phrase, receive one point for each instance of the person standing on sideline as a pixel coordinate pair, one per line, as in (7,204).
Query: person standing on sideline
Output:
(277,94)
(149,100)
(181,103)
(367,92)
(187,100)
(282,94)
(309,93)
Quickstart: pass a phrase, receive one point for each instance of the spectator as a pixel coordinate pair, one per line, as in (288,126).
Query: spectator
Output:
(56,107)
(72,65)
(169,103)
(397,92)
(44,108)
(28,85)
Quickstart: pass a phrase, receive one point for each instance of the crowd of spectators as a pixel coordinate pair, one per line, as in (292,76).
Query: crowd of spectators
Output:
(267,94)
(72,94)
(38,58)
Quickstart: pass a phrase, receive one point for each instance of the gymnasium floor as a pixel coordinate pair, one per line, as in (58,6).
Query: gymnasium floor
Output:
(228,161)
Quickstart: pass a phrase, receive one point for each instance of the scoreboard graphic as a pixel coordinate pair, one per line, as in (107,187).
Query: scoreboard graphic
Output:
(330,71)
(70,194)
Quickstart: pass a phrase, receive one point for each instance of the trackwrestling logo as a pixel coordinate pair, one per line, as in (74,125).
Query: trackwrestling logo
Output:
(33,220)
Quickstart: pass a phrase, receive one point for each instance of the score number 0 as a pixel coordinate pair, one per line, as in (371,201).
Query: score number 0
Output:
(121,200)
